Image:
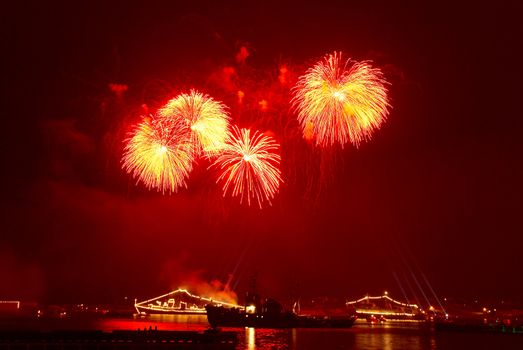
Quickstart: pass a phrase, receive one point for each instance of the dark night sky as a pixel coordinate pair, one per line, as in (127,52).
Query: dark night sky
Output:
(436,192)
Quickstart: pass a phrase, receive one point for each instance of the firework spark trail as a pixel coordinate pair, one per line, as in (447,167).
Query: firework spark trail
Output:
(250,167)
(204,119)
(159,154)
(340,101)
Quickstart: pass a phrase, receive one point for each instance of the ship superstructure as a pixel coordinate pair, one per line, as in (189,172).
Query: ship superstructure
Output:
(385,307)
(179,301)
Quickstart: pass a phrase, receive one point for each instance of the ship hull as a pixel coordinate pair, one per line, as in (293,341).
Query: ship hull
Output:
(231,317)
(150,311)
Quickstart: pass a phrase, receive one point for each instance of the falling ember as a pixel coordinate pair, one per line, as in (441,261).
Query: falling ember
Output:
(340,101)
(263,105)
(118,89)
(241,95)
(159,154)
(308,131)
(205,120)
(282,77)
(250,166)
(242,55)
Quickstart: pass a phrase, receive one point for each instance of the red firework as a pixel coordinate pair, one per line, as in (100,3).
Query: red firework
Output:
(340,101)
(159,154)
(250,166)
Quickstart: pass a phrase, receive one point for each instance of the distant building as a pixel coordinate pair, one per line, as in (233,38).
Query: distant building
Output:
(9,306)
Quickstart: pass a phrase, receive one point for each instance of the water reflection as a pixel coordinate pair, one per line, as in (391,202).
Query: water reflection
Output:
(250,336)
(359,337)
(386,341)
(160,322)
(260,339)
(432,342)
(293,343)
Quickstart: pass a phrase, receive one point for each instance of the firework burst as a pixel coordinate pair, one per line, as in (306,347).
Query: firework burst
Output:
(250,166)
(203,118)
(340,101)
(159,154)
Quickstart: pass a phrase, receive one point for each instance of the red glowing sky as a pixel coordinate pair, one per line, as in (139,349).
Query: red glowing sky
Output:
(438,189)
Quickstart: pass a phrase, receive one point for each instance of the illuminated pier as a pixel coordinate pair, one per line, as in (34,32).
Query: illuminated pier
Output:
(118,339)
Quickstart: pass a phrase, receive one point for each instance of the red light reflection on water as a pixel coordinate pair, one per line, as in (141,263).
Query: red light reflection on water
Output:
(159,322)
